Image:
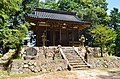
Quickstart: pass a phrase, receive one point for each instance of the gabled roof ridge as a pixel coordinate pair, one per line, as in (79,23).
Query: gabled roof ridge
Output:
(55,11)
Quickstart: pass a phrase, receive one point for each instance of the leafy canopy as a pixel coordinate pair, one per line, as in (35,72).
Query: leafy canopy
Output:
(115,24)
(13,27)
(89,10)
(104,36)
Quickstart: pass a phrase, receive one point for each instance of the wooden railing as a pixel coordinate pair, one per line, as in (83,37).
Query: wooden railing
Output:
(81,57)
(64,57)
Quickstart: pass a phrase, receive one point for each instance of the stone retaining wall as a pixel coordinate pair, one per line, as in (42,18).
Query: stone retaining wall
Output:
(105,62)
(26,66)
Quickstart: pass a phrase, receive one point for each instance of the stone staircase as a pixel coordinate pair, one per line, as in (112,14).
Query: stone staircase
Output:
(74,60)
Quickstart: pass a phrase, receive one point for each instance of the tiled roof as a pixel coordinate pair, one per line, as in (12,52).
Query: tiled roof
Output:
(54,15)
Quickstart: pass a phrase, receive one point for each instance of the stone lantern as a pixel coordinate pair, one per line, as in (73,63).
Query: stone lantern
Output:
(82,40)
(43,39)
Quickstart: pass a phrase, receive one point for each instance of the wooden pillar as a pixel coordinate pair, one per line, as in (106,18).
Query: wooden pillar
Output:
(60,36)
(46,35)
(53,36)
(67,37)
(72,36)
(37,35)
(78,34)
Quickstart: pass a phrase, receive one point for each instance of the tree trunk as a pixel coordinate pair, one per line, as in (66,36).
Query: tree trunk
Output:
(101,50)
(17,52)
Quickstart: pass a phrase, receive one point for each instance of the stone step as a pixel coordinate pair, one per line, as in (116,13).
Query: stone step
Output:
(76,59)
(72,64)
(73,53)
(80,66)
(70,53)
(67,50)
(73,57)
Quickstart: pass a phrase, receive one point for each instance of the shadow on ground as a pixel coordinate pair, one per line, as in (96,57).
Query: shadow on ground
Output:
(113,74)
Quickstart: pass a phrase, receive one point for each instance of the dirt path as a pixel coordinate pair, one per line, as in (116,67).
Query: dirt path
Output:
(82,74)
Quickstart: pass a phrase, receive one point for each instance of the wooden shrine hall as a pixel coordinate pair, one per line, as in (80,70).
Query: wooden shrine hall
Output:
(59,27)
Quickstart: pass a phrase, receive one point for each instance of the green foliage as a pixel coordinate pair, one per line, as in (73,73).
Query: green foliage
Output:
(111,48)
(13,27)
(115,17)
(8,7)
(90,10)
(104,37)
(115,24)
(67,5)
(48,5)
(118,35)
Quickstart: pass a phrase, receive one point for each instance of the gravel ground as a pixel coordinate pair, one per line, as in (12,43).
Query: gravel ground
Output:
(81,74)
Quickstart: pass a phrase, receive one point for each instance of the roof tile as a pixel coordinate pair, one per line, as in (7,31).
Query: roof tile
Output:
(54,14)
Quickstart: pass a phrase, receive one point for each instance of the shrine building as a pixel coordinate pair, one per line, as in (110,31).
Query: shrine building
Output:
(60,27)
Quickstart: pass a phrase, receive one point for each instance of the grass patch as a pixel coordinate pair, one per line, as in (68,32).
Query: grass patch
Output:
(108,57)
(18,76)
(51,75)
